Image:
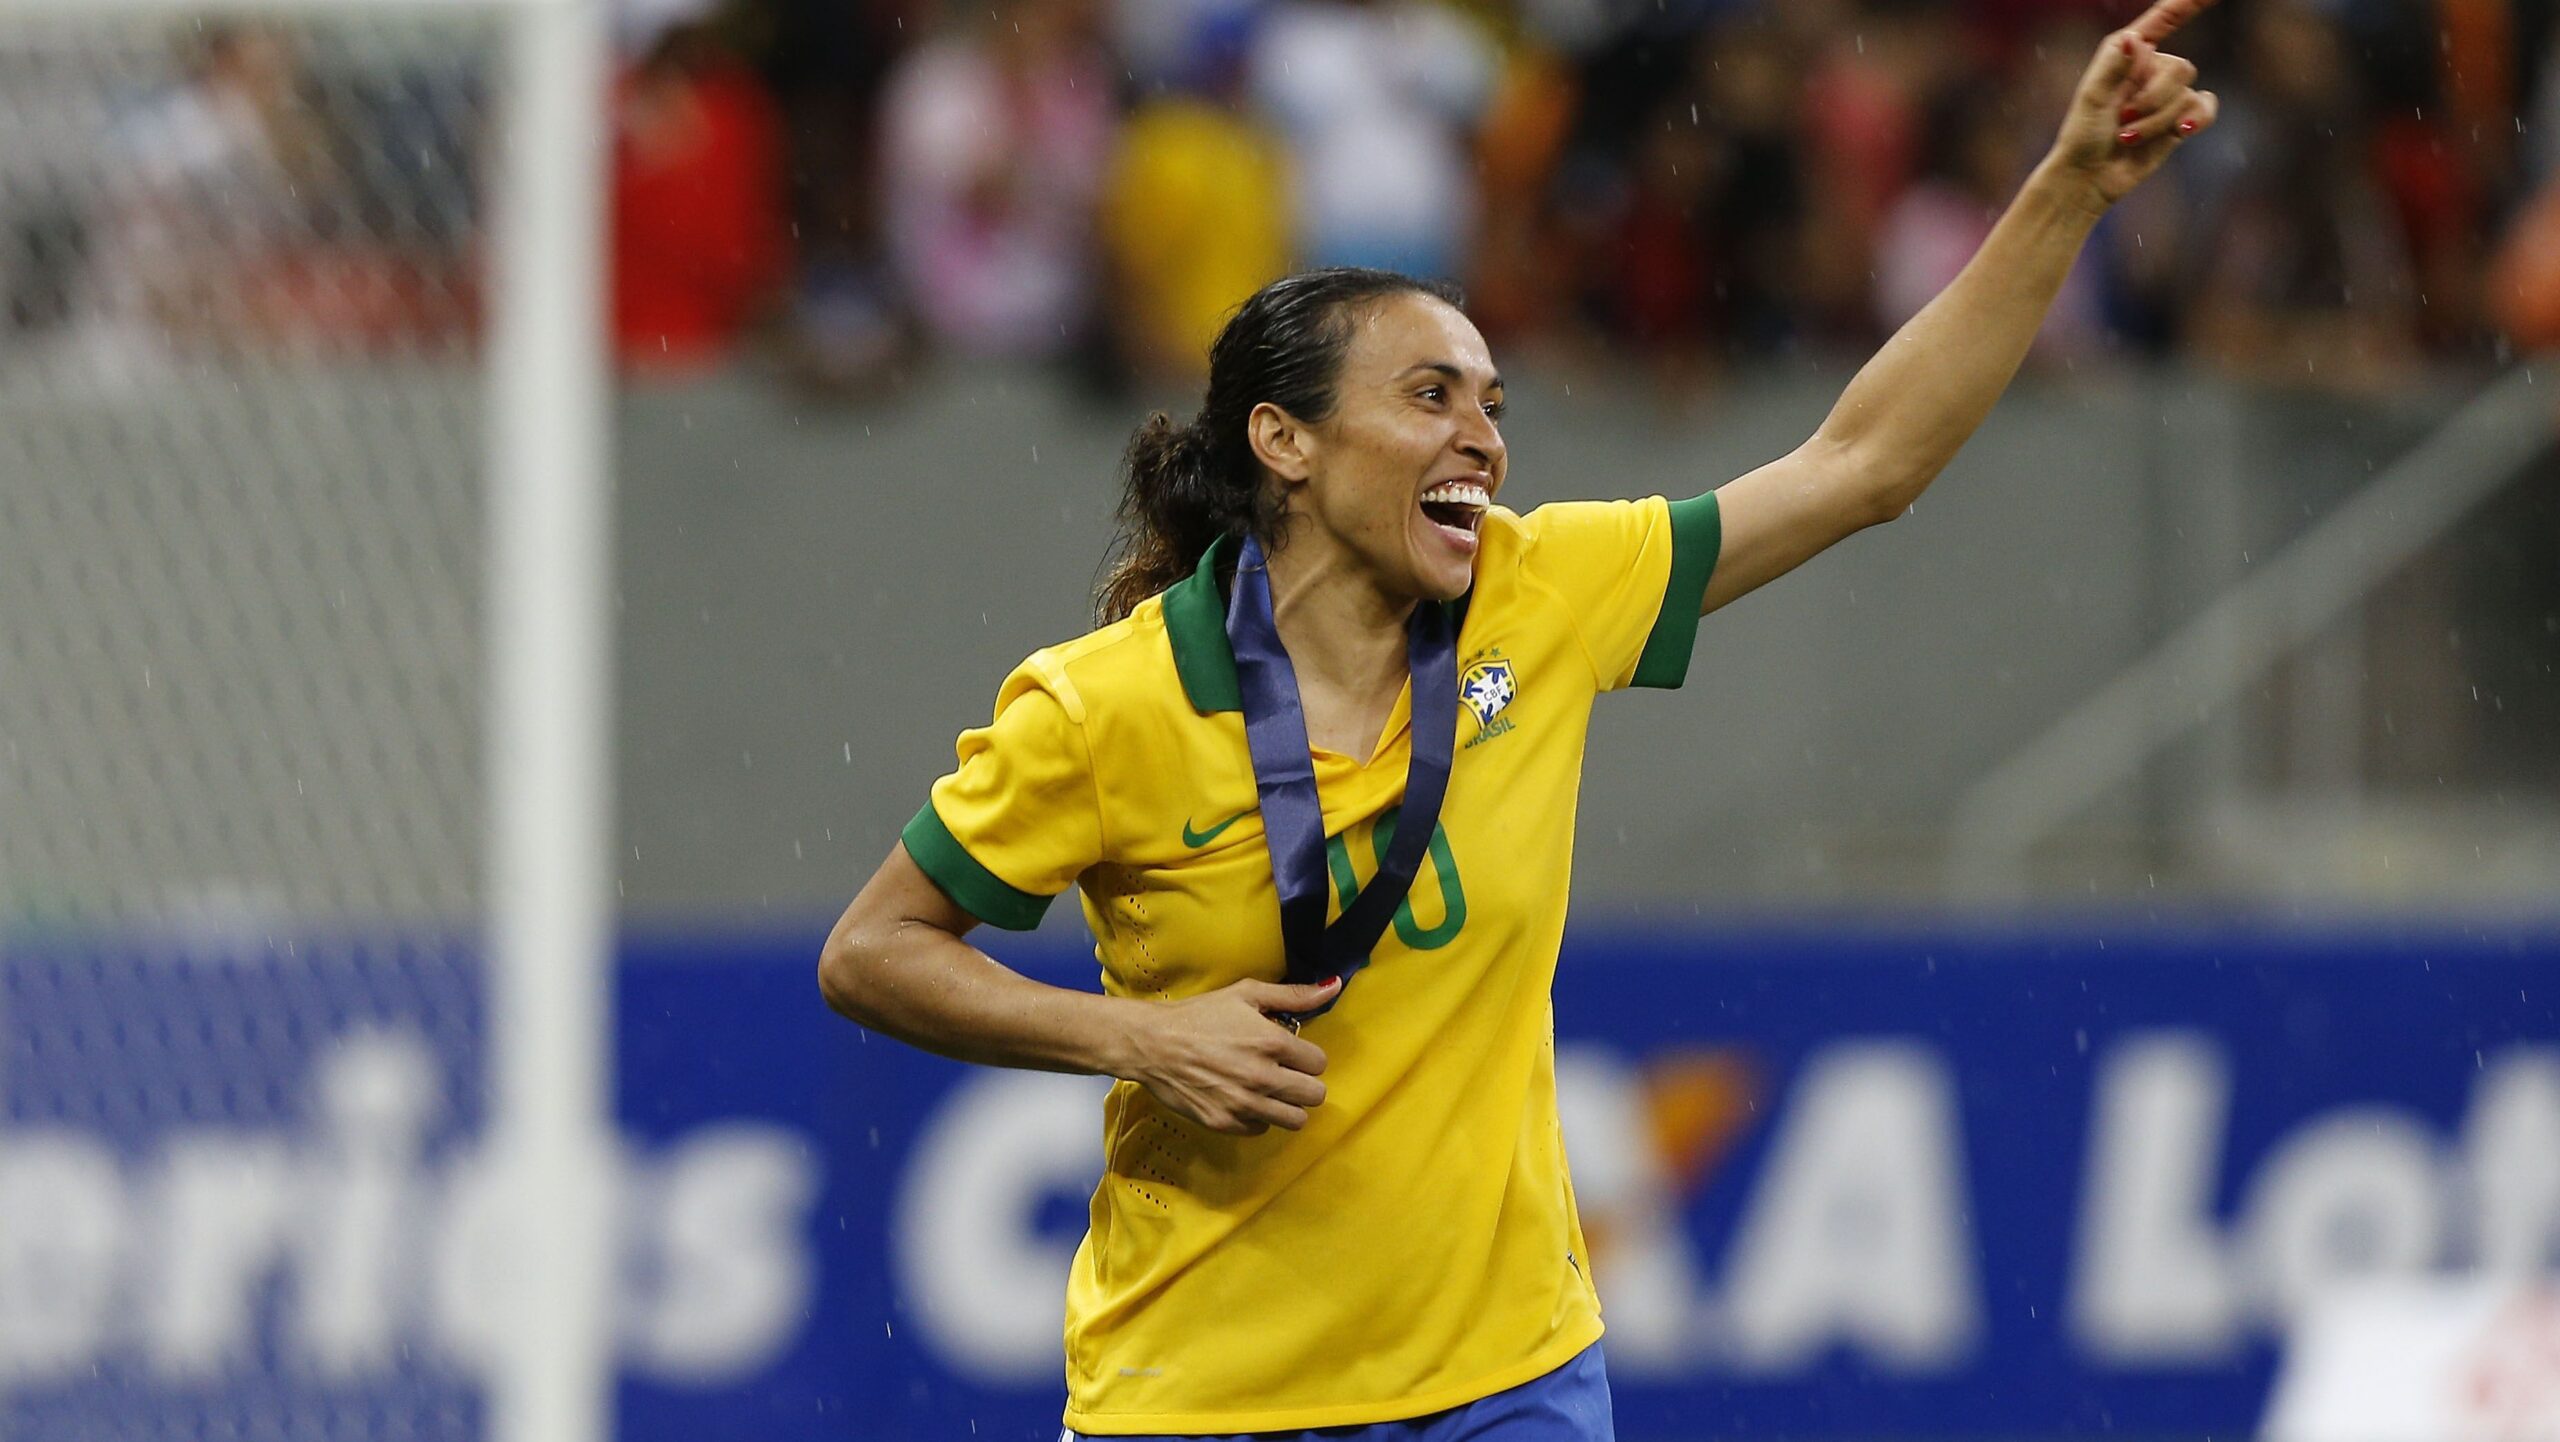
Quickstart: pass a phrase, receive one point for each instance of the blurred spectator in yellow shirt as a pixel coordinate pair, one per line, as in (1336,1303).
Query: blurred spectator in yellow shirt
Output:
(1195,208)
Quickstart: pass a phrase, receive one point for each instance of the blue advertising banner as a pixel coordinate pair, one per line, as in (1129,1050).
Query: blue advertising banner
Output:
(1840,1182)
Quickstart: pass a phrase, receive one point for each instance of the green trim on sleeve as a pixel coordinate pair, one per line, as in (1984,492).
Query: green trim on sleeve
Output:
(1697,535)
(979,892)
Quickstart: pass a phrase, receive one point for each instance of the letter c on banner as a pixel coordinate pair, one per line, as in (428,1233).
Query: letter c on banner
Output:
(989,1292)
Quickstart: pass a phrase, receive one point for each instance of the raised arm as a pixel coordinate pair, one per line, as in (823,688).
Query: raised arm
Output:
(1911,407)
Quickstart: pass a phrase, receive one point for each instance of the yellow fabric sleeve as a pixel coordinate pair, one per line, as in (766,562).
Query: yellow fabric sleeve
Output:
(1632,574)
(1019,819)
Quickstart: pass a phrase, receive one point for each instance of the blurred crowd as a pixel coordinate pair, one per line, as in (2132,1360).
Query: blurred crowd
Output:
(239,189)
(840,189)
(1692,184)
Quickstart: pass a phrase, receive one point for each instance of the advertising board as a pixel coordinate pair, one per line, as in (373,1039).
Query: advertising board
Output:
(1840,1182)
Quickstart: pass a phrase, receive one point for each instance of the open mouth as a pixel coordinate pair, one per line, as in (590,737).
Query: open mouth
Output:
(1456,505)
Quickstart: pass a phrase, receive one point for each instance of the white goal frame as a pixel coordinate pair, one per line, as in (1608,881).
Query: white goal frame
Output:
(548,722)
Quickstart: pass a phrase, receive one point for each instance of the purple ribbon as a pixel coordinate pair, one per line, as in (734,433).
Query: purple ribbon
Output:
(1284,777)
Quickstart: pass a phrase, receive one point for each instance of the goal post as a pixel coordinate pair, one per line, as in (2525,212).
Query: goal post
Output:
(550,717)
(305,724)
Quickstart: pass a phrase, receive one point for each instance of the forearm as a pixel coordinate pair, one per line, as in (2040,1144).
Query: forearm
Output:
(930,989)
(1916,403)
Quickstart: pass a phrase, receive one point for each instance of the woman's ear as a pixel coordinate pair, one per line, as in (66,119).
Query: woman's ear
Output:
(1280,442)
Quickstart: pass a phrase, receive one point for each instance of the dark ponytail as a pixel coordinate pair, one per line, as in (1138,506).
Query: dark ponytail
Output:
(1185,486)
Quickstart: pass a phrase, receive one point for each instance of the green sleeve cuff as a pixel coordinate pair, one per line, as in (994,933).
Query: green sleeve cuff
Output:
(1697,535)
(978,891)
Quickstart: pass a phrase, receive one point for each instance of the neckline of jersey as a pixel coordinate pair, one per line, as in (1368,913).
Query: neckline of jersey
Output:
(1195,625)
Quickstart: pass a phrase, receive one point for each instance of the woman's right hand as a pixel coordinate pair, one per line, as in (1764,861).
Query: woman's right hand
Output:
(1221,1060)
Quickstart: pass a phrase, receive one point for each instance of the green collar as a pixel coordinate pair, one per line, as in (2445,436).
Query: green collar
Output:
(1195,621)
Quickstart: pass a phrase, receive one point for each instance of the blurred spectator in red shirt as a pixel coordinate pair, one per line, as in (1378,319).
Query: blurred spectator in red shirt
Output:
(1657,293)
(699,242)
(1874,65)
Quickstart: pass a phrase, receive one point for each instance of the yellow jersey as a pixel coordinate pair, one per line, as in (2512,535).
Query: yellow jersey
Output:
(1414,1247)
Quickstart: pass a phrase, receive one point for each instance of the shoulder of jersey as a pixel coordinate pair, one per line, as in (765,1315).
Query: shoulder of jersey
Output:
(1113,666)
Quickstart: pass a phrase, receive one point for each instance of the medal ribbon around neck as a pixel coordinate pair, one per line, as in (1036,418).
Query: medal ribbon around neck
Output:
(1284,776)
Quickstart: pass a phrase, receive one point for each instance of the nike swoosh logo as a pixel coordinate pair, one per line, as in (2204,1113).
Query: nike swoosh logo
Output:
(1197,839)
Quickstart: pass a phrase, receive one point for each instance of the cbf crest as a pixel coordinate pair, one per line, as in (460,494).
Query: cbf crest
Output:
(1486,688)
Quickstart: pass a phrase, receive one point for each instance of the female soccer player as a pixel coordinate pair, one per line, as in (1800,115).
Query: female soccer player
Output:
(1315,778)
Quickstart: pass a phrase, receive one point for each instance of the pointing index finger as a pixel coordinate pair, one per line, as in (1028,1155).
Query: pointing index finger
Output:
(2163,19)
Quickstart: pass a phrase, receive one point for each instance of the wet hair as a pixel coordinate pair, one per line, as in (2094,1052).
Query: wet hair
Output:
(1185,486)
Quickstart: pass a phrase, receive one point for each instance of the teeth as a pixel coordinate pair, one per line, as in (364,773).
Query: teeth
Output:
(1459,493)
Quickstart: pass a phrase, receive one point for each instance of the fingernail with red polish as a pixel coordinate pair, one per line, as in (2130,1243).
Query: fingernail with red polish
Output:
(2186,127)
(2128,44)
(2128,115)
(2127,137)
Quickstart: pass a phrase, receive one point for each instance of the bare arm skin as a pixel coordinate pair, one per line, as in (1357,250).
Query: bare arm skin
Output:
(898,964)
(1912,406)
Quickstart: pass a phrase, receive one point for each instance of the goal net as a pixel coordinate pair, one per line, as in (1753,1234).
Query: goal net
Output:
(299,725)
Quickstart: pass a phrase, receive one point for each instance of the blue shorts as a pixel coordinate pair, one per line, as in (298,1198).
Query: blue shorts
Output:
(1569,1404)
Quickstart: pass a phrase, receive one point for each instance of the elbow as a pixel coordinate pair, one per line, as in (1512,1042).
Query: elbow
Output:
(846,967)
(1887,504)
(1878,496)
(1867,486)
(1887,492)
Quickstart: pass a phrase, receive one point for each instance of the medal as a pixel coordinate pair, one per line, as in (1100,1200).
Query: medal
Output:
(1284,778)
